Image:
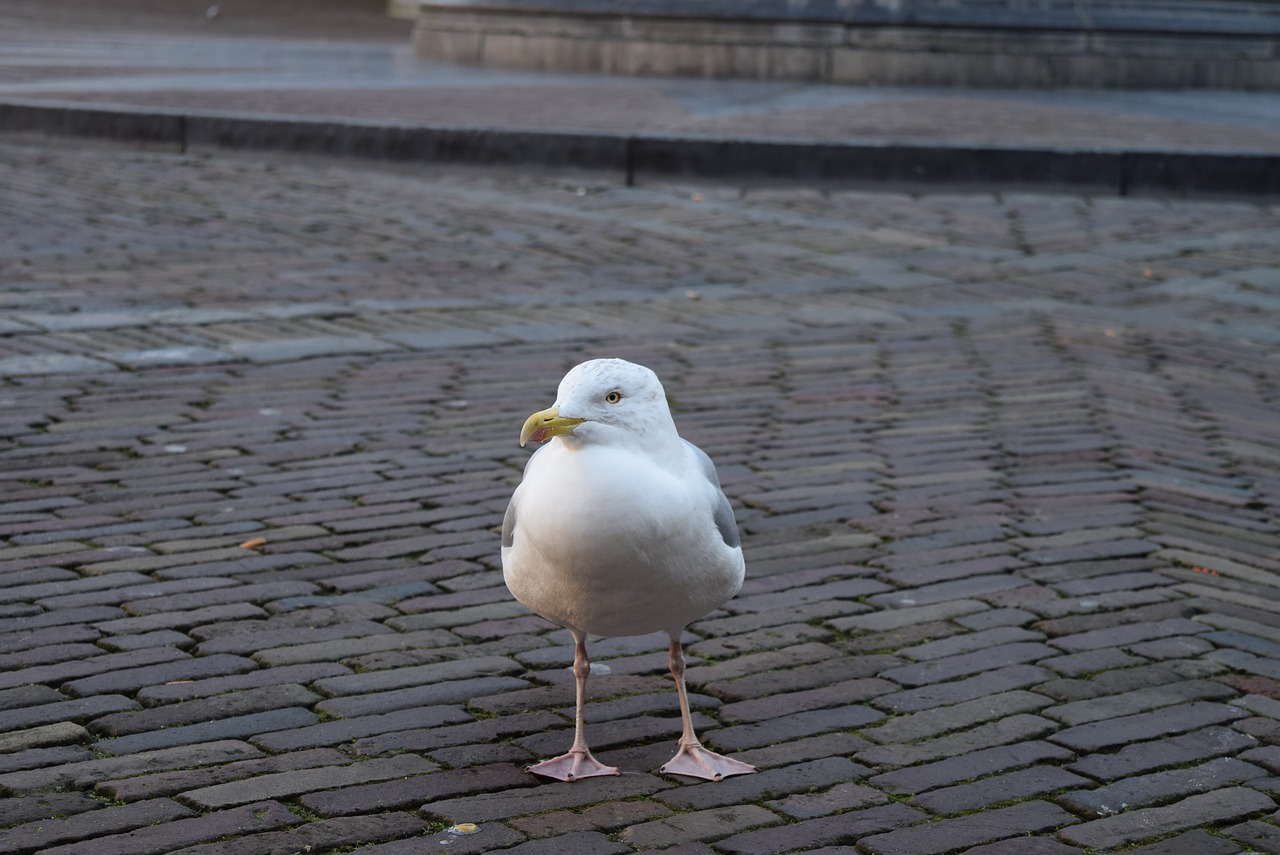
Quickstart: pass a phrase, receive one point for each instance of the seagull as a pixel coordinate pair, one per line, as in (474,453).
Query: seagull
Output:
(619,527)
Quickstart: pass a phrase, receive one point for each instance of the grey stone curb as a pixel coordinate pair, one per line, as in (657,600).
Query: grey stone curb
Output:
(1123,173)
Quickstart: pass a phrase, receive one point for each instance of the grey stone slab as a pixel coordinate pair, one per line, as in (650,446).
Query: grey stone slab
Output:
(1132,728)
(998,789)
(177,834)
(1016,728)
(975,764)
(288,350)
(964,689)
(418,675)
(443,338)
(976,828)
(42,835)
(61,733)
(280,785)
(169,356)
(964,664)
(53,363)
(697,825)
(1138,700)
(796,778)
(826,830)
(81,771)
(1161,753)
(493,806)
(339,731)
(1192,812)
(236,727)
(932,722)
(1144,790)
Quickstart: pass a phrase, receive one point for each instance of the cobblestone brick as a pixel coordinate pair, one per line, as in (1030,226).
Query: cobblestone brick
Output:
(46,833)
(840,798)
(742,666)
(413,790)
(920,725)
(65,711)
(852,825)
(1143,790)
(965,689)
(967,766)
(397,678)
(799,777)
(950,667)
(1012,786)
(87,772)
(1196,842)
(1192,812)
(1170,751)
(236,727)
(778,705)
(318,835)
(63,733)
(810,748)
(279,785)
(63,672)
(523,802)
(1162,722)
(182,690)
(219,706)
(42,806)
(311,735)
(136,677)
(983,827)
(1015,728)
(697,825)
(1024,846)
(798,677)
(171,836)
(794,726)
(480,732)
(1127,703)
(1259,835)
(1122,636)
(1129,679)
(168,783)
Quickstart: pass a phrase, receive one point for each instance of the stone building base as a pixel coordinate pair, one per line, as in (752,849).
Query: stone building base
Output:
(1212,43)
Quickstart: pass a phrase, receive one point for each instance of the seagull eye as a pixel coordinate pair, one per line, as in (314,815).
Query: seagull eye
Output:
(613,397)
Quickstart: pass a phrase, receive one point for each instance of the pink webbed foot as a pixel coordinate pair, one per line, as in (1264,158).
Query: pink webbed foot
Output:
(698,761)
(572,766)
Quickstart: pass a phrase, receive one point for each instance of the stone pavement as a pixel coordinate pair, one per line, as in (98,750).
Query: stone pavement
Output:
(342,62)
(1006,468)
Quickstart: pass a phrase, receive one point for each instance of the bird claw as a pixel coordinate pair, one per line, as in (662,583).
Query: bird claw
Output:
(572,766)
(699,762)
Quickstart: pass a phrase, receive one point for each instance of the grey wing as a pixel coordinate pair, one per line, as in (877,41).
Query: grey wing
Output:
(509,524)
(509,519)
(723,513)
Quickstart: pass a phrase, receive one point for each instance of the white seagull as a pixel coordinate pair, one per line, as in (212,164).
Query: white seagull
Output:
(619,527)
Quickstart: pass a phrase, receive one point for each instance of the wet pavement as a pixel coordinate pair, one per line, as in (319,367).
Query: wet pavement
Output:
(349,62)
(1006,469)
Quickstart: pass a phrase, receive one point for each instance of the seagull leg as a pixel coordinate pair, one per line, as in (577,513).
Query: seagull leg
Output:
(693,758)
(578,762)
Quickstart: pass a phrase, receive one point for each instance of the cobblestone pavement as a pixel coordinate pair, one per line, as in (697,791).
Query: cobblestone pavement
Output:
(1007,471)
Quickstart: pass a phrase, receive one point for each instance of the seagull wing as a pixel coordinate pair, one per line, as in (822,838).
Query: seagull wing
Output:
(723,511)
(509,524)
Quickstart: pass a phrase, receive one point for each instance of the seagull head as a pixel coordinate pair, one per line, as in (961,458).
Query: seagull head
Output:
(604,400)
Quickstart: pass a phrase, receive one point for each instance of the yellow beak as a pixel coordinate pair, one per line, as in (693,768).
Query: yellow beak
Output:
(545,424)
